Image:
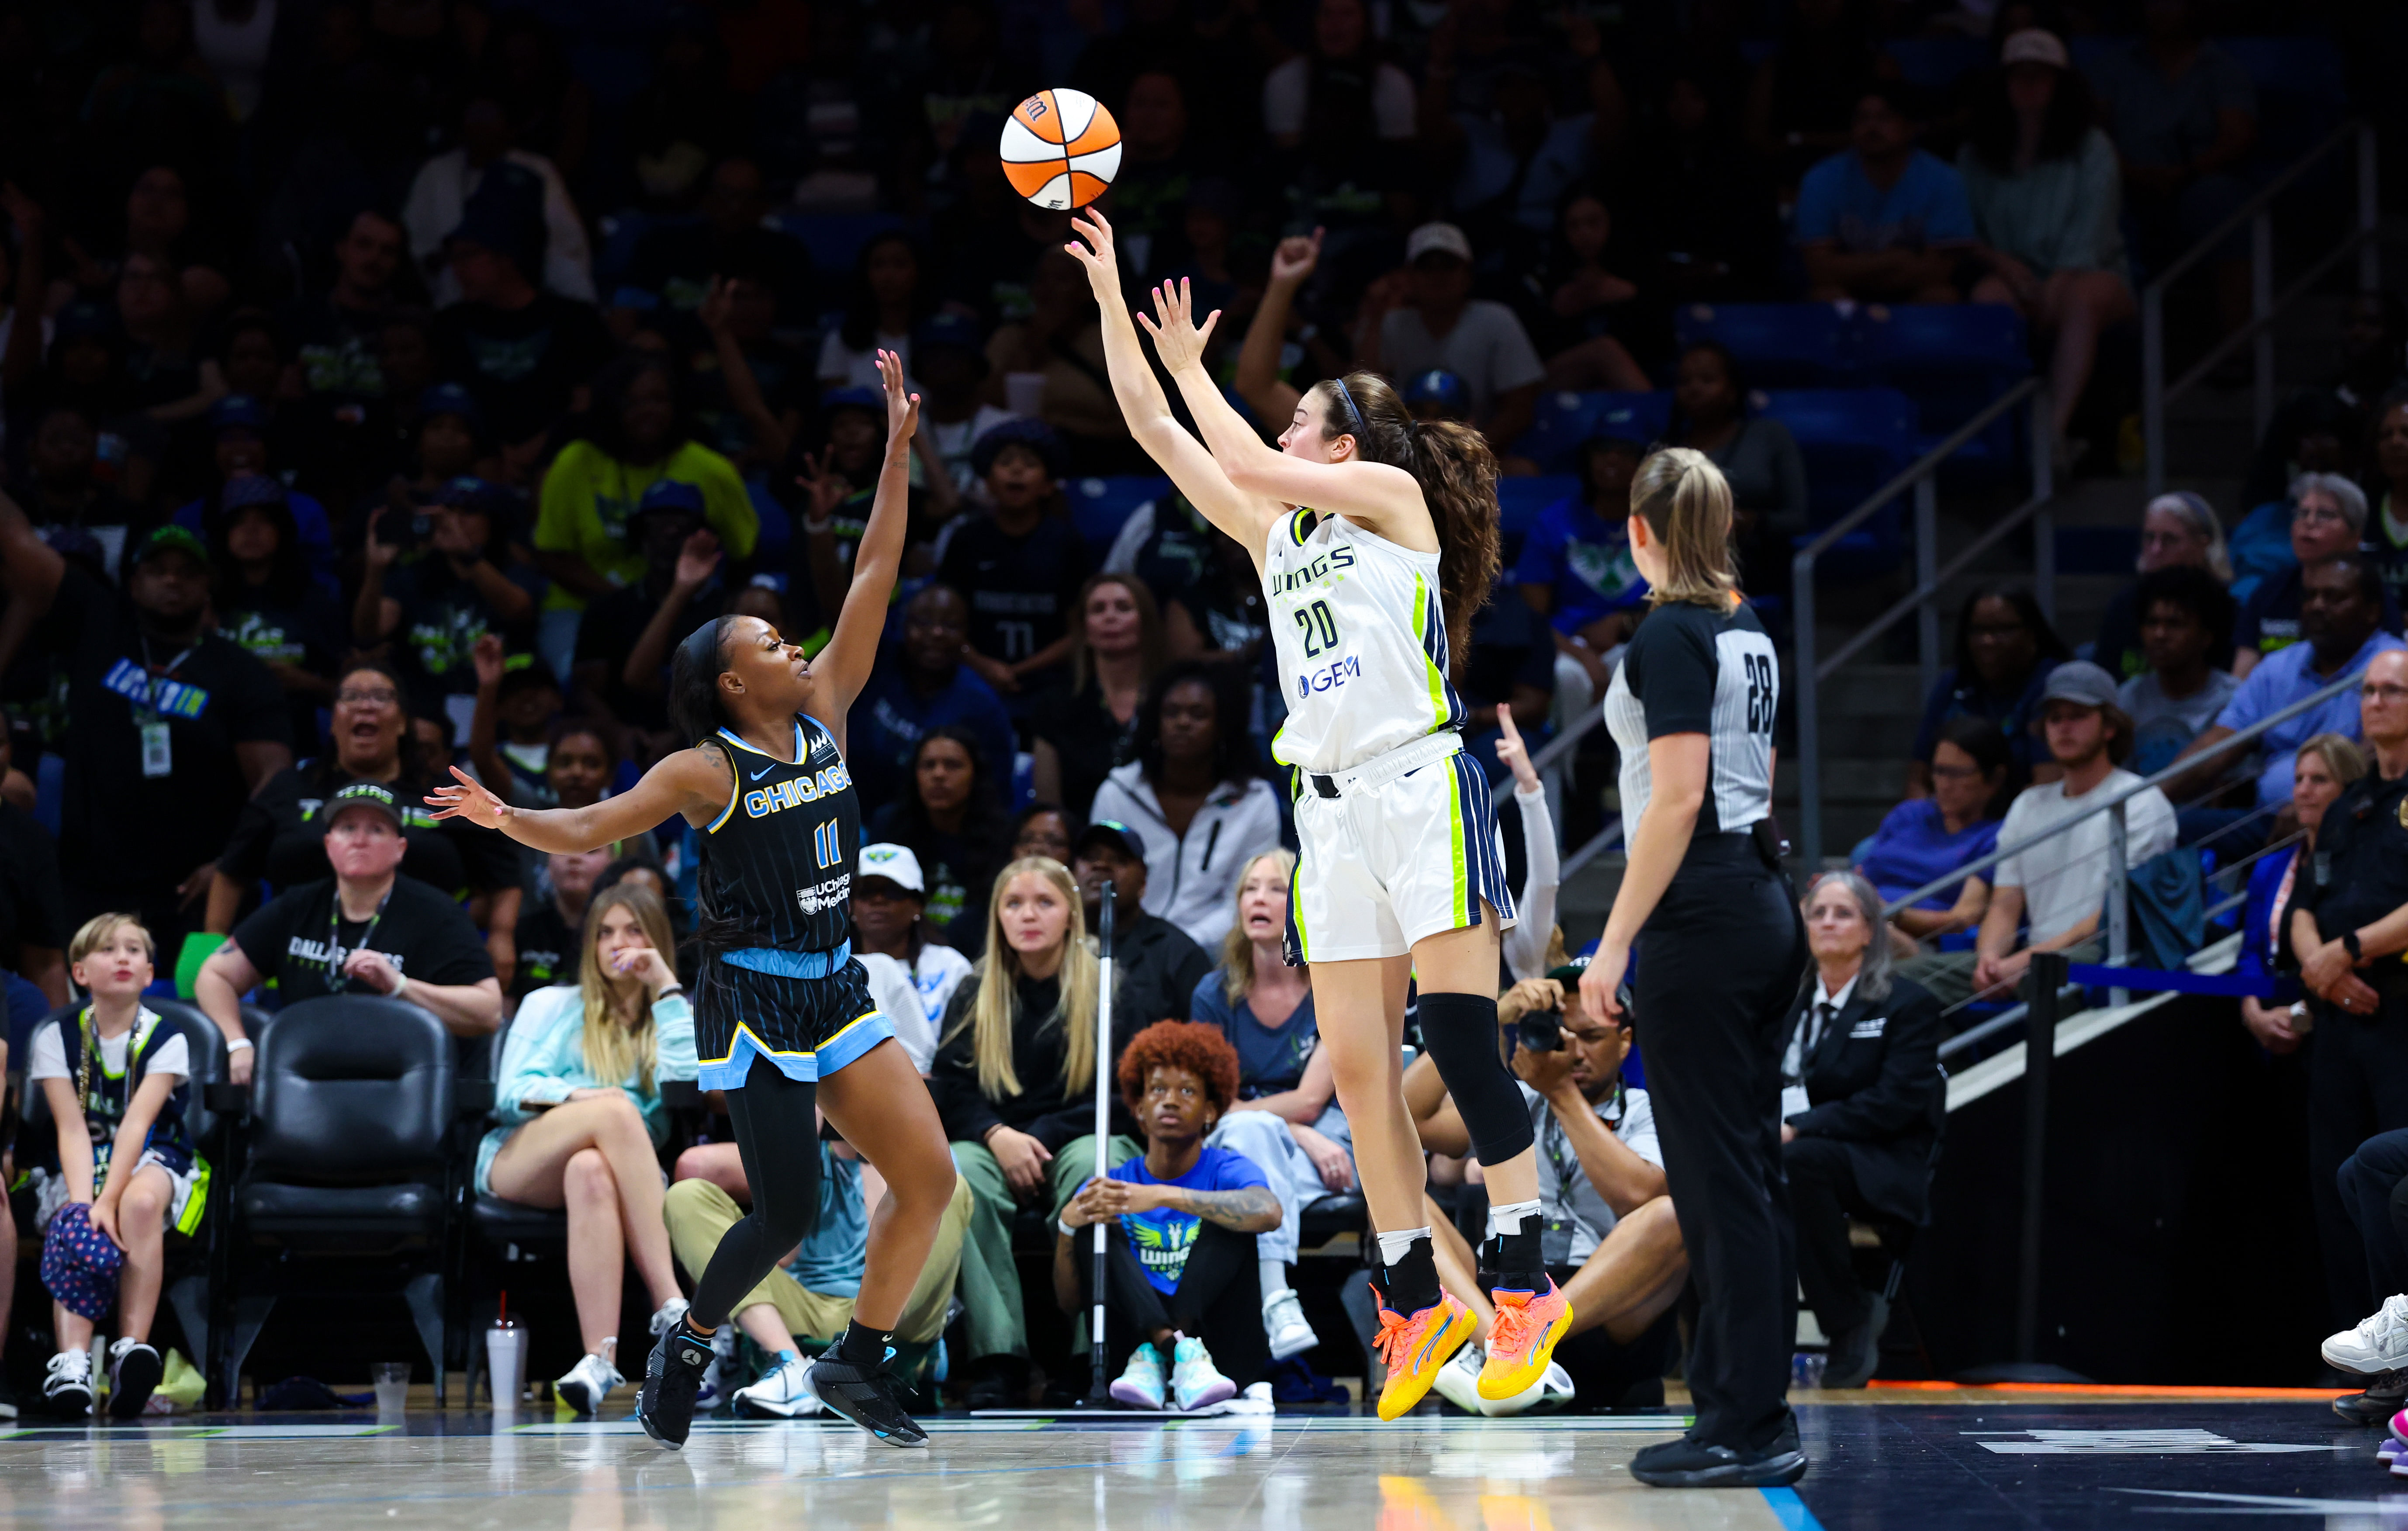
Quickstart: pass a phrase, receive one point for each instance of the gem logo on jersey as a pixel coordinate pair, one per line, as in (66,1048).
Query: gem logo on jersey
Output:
(1329,677)
(795,793)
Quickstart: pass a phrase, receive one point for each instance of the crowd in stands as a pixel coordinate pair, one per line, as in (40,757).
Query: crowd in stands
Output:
(387,389)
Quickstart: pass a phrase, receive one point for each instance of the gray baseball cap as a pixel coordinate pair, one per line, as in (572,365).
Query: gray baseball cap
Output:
(2080,681)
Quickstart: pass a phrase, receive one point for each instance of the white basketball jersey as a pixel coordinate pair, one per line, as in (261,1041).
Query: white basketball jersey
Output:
(1361,637)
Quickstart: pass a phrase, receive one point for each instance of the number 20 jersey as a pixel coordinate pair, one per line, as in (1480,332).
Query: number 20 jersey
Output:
(1360,635)
(778,862)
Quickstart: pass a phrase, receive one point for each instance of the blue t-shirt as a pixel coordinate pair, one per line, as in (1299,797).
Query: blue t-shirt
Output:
(830,1258)
(1270,1059)
(2282,677)
(1924,209)
(1163,1238)
(1913,846)
(888,720)
(2014,715)
(1585,560)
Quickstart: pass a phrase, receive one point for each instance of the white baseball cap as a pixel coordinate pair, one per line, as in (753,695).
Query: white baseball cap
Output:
(896,864)
(1440,238)
(2034,45)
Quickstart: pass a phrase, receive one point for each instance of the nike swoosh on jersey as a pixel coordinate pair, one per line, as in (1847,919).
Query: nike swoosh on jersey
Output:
(762,772)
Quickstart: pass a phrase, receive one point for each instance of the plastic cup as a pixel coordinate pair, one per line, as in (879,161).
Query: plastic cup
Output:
(506,1364)
(392,1379)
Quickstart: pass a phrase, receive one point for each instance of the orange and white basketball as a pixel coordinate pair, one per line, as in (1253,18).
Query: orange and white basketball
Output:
(1061,149)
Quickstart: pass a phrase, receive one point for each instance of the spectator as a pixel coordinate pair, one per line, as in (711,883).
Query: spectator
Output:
(2005,652)
(1802,101)
(2340,615)
(1201,580)
(2060,885)
(1055,353)
(1512,159)
(1014,1079)
(175,725)
(1582,303)
(336,335)
(2184,613)
(1020,564)
(1925,839)
(2178,529)
(1342,47)
(2042,181)
(415,929)
(951,365)
(108,1231)
(625,636)
(524,352)
(912,975)
(639,437)
(1756,453)
(1426,317)
(551,932)
(1283,1116)
(2327,520)
(2344,922)
(434,609)
(445,188)
(1861,1109)
(2324,766)
(239,425)
(1043,829)
(888,301)
(751,388)
(280,837)
(1090,728)
(1163,162)
(2184,116)
(266,602)
(1576,571)
(61,486)
(2389,538)
(1175,1254)
(950,818)
(1609,1228)
(1192,798)
(2373,361)
(675,261)
(1156,964)
(33,907)
(579,1122)
(1701,209)
(1882,220)
(921,683)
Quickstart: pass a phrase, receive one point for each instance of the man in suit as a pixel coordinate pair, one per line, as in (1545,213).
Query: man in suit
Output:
(1861,1109)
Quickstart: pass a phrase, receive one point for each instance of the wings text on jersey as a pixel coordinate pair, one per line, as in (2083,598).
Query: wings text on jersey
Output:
(797,791)
(1340,557)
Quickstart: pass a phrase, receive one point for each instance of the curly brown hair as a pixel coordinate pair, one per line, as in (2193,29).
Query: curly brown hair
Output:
(1192,1045)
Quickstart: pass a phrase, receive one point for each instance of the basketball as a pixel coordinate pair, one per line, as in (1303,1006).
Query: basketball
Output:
(1061,149)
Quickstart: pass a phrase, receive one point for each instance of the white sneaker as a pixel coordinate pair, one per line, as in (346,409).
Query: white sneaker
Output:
(586,1384)
(2379,1343)
(1550,1393)
(785,1394)
(1195,1381)
(1458,1380)
(67,1383)
(1142,1385)
(669,1312)
(1284,1320)
(720,1379)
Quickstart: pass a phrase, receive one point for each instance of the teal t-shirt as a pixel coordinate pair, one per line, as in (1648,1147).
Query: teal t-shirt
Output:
(830,1257)
(1162,1238)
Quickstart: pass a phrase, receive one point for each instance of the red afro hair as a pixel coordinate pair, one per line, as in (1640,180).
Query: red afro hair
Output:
(1192,1045)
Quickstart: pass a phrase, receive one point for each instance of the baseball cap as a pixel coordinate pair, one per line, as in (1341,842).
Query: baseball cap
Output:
(1113,833)
(853,398)
(896,864)
(481,496)
(1438,386)
(950,332)
(366,795)
(251,489)
(451,398)
(238,412)
(2034,45)
(671,495)
(1439,238)
(2082,682)
(171,537)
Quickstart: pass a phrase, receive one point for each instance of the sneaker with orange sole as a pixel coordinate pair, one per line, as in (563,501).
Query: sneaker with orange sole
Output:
(1415,1348)
(1522,1341)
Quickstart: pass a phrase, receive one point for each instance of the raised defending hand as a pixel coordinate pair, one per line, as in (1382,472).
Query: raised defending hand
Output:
(902,408)
(1178,338)
(470,800)
(1096,255)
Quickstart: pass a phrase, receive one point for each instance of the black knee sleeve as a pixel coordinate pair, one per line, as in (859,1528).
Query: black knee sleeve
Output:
(1460,1031)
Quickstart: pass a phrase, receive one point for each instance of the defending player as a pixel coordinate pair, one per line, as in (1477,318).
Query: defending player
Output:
(783,1012)
(1376,539)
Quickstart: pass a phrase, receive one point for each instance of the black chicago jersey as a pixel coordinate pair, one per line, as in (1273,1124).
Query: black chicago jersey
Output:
(777,866)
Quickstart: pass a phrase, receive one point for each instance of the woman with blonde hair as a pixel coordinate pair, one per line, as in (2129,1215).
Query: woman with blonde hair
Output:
(581,1120)
(1015,1081)
(1721,951)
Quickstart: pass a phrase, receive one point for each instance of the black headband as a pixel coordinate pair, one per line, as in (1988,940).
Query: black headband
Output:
(701,648)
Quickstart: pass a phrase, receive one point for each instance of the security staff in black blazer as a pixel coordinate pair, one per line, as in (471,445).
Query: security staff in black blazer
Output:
(1861,1108)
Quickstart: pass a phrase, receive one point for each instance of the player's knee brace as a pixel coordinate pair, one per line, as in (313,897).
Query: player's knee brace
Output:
(1460,1031)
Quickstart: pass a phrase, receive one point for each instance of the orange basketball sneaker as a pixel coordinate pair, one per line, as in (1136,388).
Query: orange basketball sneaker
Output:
(1522,1339)
(1415,1348)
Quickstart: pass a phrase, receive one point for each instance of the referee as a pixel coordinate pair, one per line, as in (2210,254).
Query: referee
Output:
(1721,953)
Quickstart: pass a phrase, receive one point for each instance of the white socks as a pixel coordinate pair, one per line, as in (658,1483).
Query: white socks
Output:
(1274,1277)
(1396,1246)
(1508,1217)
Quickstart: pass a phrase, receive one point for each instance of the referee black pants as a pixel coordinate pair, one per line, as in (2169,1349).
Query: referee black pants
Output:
(2358,1086)
(1719,964)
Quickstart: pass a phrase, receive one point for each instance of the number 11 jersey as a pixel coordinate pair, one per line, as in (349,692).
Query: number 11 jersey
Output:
(1360,634)
(778,864)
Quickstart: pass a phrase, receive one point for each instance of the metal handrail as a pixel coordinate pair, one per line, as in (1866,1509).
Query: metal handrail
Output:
(1929,579)
(2264,305)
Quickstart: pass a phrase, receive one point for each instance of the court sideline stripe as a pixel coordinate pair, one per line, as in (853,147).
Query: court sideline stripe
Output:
(1791,1511)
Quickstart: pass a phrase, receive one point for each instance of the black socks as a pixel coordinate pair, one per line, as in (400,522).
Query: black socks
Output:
(862,1345)
(1411,1284)
(1511,1262)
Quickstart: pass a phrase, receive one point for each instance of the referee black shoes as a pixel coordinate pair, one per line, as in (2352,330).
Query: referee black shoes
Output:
(673,1375)
(870,1397)
(1691,1464)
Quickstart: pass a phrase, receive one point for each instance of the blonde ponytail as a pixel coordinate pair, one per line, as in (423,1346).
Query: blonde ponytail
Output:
(1686,502)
